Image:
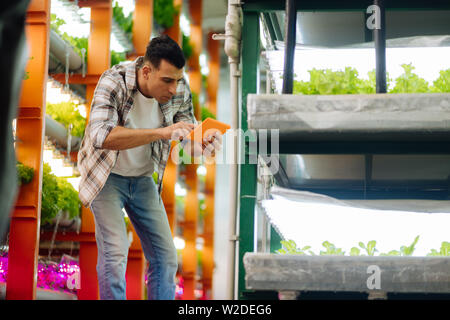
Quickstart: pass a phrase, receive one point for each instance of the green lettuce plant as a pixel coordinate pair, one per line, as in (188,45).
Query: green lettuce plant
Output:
(330,249)
(50,191)
(117,57)
(409,82)
(442,83)
(56,22)
(187,46)
(206,113)
(391,253)
(68,198)
(125,23)
(327,82)
(77,43)
(409,250)
(57,195)
(163,12)
(66,113)
(290,247)
(354,251)
(369,248)
(444,251)
(24,173)
(404,250)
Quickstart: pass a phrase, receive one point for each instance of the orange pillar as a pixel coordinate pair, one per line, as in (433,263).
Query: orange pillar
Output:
(25,221)
(98,61)
(174,30)
(168,191)
(88,258)
(99,58)
(208,231)
(99,39)
(171,171)
(189,254)
(142,27)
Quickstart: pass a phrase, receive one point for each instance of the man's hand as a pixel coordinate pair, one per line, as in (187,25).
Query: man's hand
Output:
(177,131)
(210,144)
(121,138)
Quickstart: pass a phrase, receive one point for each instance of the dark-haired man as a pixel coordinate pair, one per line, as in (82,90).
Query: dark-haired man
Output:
(136,109)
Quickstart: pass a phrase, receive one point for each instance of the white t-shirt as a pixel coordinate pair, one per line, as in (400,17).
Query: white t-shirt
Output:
(145,114)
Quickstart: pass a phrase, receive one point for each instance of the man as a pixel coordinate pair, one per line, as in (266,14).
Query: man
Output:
(136,108)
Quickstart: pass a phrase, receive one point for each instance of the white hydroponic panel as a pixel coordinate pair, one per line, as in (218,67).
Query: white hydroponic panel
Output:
(310,219)
(365,117)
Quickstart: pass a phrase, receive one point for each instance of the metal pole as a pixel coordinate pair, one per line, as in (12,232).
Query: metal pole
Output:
(289,47)
(232,48)
(379,36)
(247,171)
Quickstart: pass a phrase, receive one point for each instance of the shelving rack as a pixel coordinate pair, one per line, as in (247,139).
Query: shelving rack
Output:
(425,142)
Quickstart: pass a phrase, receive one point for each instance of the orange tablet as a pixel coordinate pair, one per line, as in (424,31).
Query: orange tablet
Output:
(206,128)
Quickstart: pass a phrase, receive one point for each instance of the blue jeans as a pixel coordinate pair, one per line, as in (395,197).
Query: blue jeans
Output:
(143,204)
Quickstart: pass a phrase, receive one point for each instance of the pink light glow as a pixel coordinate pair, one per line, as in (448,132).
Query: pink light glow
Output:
(51,275)
(3,267)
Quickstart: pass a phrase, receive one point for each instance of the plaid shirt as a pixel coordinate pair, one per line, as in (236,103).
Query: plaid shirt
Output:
(113,100)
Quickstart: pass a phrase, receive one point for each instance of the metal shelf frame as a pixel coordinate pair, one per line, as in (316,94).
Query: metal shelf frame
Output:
(248,176)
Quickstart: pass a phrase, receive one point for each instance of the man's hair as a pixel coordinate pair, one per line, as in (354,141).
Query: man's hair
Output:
(166,48)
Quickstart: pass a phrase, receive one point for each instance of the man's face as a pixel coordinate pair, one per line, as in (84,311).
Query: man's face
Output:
(161,83)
